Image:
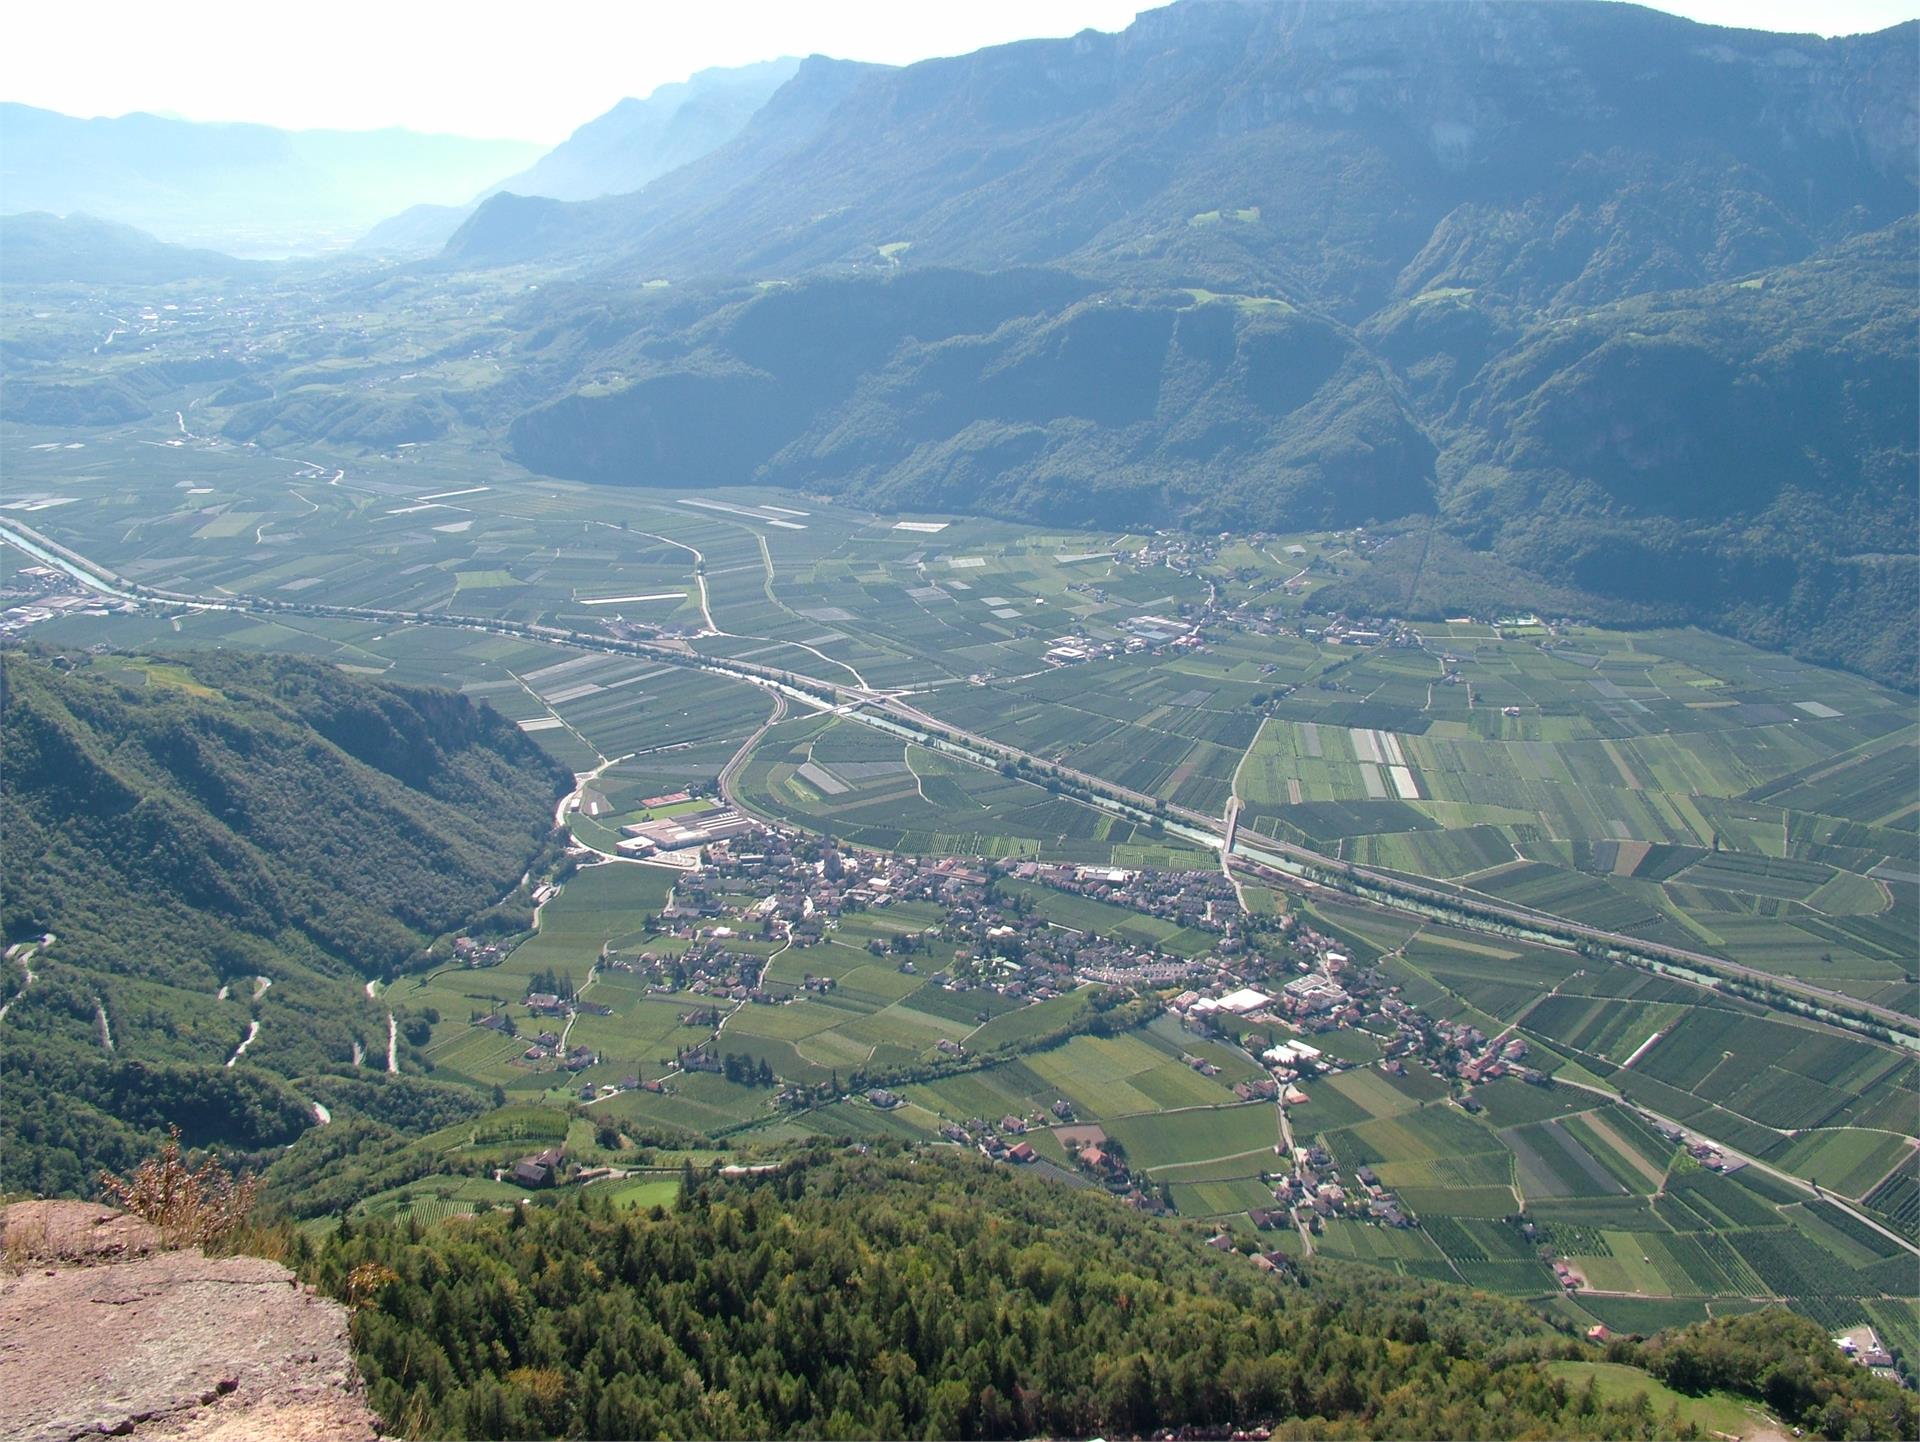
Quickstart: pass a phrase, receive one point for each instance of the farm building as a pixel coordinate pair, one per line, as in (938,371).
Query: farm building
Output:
(542,1169)
(677,833)
(1239,1002)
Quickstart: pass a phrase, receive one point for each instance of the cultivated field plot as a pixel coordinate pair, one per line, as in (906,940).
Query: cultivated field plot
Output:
(1816,1101)
(1600,1153)
(1668,785)
(1157,1140)
(606,905)
(872,789)
(1174,728)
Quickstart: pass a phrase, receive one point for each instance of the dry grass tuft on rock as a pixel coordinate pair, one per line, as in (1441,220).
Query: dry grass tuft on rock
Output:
(203,1207)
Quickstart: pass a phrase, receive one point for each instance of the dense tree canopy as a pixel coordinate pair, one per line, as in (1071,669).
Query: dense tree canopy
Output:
(920,1295)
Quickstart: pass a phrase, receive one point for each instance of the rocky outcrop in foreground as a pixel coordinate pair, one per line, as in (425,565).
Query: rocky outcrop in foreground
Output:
(104,1333)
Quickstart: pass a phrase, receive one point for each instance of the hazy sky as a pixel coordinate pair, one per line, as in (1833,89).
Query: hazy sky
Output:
(535,71)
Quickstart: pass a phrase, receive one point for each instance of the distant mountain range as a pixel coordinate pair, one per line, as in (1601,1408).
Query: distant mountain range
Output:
(246,189)
(632,144)
(1622,299)
(1339,155)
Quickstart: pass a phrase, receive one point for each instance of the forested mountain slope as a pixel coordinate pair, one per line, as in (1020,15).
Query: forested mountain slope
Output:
(1344,154)
(215,841)
(935,1295)
(1739,455)
(1022,392)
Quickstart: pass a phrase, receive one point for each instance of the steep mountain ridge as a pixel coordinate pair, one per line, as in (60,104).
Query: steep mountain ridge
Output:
(499,231)
(641,139)
(635,142)
(1344,154)
(212,848)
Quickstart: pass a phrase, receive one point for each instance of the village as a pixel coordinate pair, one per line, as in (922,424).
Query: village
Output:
(1271,988)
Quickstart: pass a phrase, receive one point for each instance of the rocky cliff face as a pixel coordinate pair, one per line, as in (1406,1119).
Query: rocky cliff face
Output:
(103,1333)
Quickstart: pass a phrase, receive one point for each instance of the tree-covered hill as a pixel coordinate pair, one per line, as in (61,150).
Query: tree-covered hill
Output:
(37,248)
(934,1295)
(1025,392)
(214,841)
(1739,455)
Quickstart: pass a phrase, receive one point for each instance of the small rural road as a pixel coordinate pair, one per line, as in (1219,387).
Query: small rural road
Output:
(571,801)
(23,954)
(731,771)
(1226,851)
(1800,1184)
(574,1015)
(253,1030)
(699,572)
(1293,1164)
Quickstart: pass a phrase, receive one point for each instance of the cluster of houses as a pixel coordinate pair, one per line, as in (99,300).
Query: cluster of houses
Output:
(1003,1141)
(542,1169)
(547,1047)
(1864,1347)
(706,968)
(1365,631)
(1204,900)
(545,1051)
(1463,1051)
(1705,1153)
(1315,1191)
(1276,1262)
(986,939)
(1501,1057)
(471,952)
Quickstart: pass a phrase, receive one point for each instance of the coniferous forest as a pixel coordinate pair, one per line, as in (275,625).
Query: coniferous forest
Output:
(903,1295)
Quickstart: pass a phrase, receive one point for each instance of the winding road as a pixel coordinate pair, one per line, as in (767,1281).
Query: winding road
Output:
(253,1030)
(22,953)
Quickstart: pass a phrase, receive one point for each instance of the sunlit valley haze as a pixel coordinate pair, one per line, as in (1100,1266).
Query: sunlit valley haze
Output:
(1045,719)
